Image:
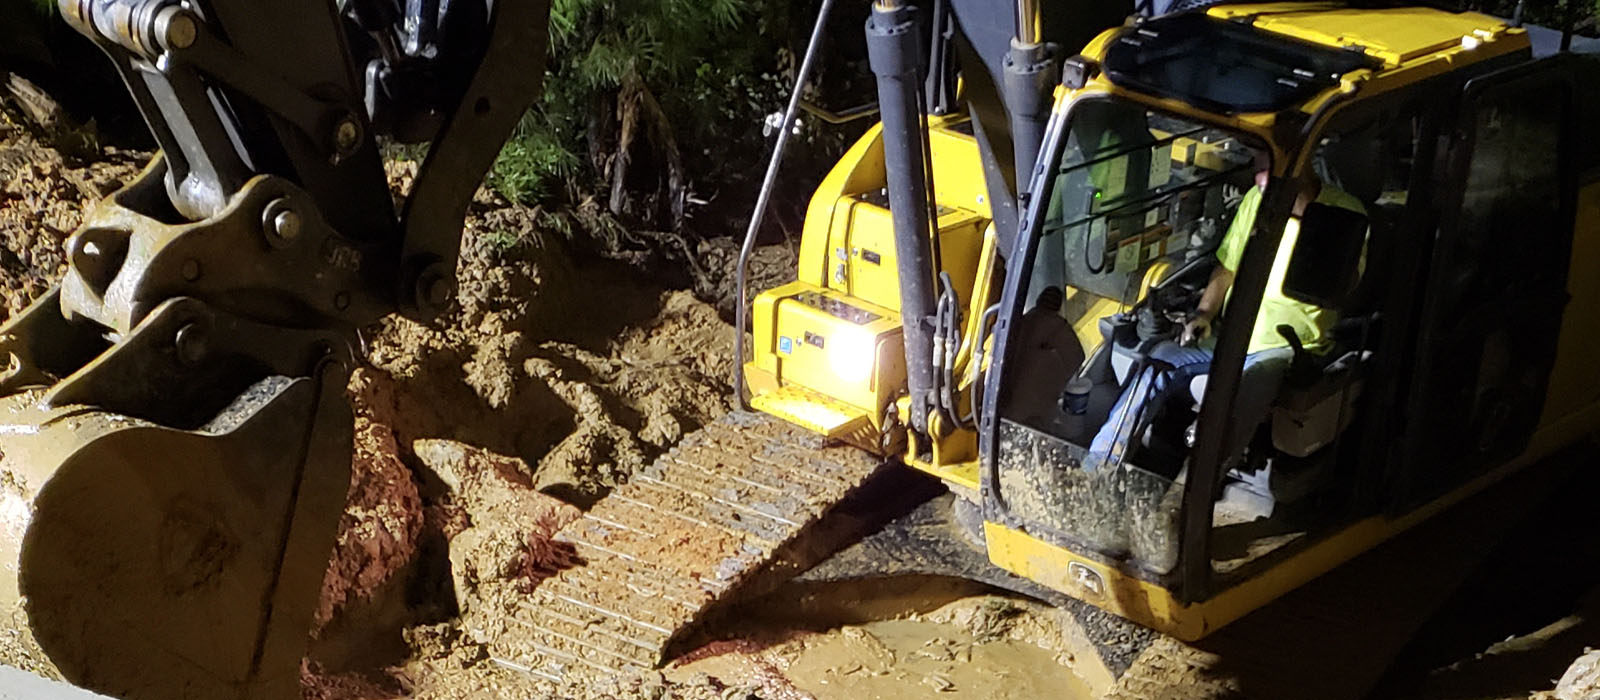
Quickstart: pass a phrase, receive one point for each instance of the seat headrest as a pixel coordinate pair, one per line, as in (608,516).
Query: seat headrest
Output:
(1353,162)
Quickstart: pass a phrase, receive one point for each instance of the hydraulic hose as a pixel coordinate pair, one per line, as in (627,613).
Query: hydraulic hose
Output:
(989,314)
(742,312)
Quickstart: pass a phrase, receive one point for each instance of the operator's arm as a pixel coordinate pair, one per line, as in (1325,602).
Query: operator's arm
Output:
(1211,300)
(1228,254)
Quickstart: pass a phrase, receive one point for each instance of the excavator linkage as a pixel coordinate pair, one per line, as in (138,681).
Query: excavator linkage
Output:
(174,438)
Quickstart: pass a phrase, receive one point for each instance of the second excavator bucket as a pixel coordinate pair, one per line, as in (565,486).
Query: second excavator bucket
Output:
(176,553)
(174,438)
(148,562)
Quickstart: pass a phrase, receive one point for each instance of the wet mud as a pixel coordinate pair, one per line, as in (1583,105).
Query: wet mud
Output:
(909,637)
(552,380)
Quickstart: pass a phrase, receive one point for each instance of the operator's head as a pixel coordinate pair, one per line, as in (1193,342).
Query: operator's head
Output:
(1306,185)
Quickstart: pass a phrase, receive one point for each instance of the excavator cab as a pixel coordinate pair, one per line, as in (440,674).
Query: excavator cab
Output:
(1182,486)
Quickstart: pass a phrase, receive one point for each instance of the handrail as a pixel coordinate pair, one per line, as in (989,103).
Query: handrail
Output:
(741,313)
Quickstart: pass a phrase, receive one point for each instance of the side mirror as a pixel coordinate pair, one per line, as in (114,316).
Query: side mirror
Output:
(1326,263)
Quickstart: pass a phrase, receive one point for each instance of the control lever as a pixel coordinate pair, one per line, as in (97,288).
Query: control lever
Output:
(1152,321)
(1301,369)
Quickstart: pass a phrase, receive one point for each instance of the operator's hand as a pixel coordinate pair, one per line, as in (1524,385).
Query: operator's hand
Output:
(1196,329)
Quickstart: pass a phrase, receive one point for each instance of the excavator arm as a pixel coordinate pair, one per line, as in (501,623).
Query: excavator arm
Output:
(174,440)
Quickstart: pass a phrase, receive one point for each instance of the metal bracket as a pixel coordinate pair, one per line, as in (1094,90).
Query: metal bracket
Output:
(267,254)
(502,89)
(187,360)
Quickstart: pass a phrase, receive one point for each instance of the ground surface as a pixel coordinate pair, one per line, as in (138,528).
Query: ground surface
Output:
(552,380)
(477,437)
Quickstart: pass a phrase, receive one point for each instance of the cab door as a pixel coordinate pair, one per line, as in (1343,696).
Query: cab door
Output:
(1496,287)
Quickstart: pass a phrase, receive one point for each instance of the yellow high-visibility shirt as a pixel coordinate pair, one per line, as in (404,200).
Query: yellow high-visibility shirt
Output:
(1309,321)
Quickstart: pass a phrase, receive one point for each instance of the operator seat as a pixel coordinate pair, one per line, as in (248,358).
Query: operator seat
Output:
(1313,405)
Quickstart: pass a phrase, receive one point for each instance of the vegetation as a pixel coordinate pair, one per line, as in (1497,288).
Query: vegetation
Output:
(648,105)
(1550,13)
(651,107)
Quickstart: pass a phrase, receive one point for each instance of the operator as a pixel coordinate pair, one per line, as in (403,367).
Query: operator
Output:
(1269,352)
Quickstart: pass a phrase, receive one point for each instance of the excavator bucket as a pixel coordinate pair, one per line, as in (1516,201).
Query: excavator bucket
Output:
(145,560)
(174,438)
(151,562)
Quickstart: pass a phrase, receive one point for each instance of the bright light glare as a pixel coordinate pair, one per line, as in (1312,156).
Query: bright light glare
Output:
(851,356)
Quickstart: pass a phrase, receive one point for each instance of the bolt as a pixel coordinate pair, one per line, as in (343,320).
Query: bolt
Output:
(190,343)
(281,223)
(432,287)
(181,31)
(191,270)
(346,135)
(341,301)
(286,225)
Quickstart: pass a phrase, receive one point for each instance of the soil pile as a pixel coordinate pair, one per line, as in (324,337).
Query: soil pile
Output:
(42,200)
(480,435)
(586,372)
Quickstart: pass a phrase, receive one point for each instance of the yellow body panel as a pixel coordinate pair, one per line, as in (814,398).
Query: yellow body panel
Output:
(863,260)
(958,170)
(1110,589)
(859,170)
(1575,381)
(1414,43)
(850,372)
(1394,36)
(840,347)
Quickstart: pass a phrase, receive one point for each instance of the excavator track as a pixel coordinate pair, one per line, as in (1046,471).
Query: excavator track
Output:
(690,531)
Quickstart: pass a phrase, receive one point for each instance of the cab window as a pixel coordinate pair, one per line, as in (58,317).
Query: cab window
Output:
(1132,218)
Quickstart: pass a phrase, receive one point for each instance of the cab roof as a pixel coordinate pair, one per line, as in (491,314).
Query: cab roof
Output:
(1269,57)
(1393,36)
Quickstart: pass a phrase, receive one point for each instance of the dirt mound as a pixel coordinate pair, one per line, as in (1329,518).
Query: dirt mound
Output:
(505,545)
(583,372)
(382,522)
(42,200)
(546,384)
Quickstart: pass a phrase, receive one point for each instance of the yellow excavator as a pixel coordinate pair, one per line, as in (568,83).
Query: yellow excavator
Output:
(1000,361)
(994,284)
(988,284)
